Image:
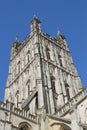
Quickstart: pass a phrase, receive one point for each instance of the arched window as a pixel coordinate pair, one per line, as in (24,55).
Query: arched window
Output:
(24,126)
(36,102)
(60,60)
(28,87)
(67,91)
(53,83)
(59,126)
(48,53)
(54,92)
(17,97)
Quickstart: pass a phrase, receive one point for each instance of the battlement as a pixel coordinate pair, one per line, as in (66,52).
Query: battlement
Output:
(78,98)
(8,106)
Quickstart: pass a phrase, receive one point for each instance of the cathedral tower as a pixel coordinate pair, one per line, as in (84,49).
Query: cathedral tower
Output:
(41,72)
(43,89)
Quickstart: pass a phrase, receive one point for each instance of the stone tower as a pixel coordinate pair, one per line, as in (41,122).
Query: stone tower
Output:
(41,72)
(44,82)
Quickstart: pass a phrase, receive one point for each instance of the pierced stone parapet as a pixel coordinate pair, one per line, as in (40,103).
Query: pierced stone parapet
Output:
(75,100)
(8,106)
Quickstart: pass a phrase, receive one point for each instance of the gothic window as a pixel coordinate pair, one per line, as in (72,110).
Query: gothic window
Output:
(28,87)
(24,126)
(54,92)
(60,60)
(17,97)
(53,84)
(55,102)
(36,102)
(67,91)
(48,53)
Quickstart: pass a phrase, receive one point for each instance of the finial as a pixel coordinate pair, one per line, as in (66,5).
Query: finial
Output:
(35,15)
(60,34)
(58,31)
(16,38)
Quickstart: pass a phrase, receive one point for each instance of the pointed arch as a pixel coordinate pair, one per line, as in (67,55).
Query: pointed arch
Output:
(53,83)
(67,90)
(48,53)
(28,56)
(59,126)
(28,87)
(54,92)
(60,60)
(24,126)
(17,97)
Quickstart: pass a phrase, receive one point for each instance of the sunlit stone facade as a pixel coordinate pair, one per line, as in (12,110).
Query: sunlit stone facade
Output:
(43,89)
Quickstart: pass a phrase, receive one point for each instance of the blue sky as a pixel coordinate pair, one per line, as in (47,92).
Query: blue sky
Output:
(68,16)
